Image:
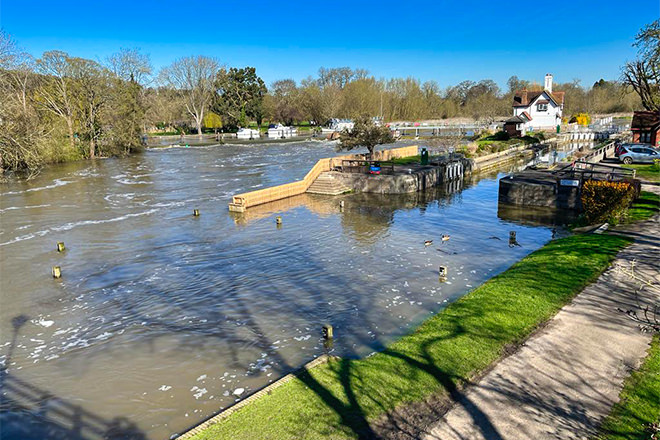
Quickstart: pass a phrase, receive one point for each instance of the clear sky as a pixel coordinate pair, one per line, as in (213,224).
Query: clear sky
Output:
(446,41)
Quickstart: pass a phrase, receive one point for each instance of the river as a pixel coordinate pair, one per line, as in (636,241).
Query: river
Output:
(161,318)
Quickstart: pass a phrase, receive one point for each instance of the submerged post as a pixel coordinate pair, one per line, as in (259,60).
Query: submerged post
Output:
(57,272)
(60,246)
(195,212)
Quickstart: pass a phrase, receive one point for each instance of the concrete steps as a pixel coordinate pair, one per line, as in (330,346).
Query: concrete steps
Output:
(328,185)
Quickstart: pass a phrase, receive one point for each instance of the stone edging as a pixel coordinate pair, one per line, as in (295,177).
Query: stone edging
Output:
(223,414)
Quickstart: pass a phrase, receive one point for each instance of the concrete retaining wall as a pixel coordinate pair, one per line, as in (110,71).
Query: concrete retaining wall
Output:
(400,183)
(539,194)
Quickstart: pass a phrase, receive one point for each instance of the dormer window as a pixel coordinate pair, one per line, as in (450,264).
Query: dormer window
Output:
(542,107)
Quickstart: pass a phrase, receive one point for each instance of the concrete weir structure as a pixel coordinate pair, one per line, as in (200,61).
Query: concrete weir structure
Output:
(330,176)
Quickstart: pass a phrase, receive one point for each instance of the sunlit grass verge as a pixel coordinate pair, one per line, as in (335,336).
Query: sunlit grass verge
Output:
(342,398)
(650,172)
(644,207)
(638,409)
(406,160)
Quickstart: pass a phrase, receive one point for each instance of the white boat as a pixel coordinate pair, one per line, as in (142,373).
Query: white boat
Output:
(338,125)
(247,133)
(280,131)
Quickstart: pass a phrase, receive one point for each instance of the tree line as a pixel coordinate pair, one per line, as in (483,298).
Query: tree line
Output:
(59,107)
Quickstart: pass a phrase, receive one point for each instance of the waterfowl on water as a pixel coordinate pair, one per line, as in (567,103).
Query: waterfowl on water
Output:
(428,242)
(445,237)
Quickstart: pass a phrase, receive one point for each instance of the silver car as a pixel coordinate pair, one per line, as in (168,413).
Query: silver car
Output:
(638,153)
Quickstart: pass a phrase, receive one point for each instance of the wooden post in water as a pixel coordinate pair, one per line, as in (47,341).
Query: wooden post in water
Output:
(442,273)
(327,332)
(60,246)
(57,272)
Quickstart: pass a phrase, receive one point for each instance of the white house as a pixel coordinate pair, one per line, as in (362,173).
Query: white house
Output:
(534,111)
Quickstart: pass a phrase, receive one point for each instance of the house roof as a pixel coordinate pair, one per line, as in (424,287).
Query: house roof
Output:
(514,120)
(645,120)
(523,98)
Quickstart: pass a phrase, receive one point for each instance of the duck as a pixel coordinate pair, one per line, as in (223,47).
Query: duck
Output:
(428,242)
(445,237)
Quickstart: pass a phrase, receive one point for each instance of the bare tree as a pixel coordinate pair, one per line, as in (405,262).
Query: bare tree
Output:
(20,131)
(91,91)
(55,91)
(643,74)
(131,65)
(194,78)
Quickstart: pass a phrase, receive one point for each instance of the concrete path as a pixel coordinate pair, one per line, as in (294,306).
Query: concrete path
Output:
(566,378)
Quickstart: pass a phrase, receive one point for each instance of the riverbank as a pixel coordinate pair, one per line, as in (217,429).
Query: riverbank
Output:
(347,398)
(565,379)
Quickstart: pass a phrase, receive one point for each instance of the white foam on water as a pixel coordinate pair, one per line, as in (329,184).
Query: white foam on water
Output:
(71,225)
(238,391)
(57,182)
(44,322)
(13,208)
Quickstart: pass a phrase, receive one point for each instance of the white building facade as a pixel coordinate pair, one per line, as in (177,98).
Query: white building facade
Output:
(539,110)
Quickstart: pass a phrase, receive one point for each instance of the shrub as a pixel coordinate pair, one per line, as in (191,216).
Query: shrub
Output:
(606,201)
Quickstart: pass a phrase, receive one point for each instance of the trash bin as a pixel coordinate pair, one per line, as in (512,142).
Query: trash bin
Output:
(425,156)
(558,128)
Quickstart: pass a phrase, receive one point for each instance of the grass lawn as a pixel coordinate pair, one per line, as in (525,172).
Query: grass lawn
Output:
(650,172)
(645,207)
(639,406)
(340,399)
(406,160)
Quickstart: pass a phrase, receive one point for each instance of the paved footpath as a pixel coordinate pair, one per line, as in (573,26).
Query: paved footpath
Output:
(565,379)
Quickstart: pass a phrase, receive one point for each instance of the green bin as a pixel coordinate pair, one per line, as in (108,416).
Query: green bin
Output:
(425,156)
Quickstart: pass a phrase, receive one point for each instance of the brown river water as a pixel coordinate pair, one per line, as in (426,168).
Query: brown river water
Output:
(161,319)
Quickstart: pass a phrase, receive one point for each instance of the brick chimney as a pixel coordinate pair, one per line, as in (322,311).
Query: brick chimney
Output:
(523,97)
(548,83)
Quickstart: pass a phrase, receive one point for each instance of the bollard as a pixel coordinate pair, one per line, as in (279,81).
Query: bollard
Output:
(327,332)
(278,220)
(60,246)
(195,212)
(341,204)
(442,273)
(57,272)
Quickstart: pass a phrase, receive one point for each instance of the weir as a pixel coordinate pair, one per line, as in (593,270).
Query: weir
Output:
(241,202)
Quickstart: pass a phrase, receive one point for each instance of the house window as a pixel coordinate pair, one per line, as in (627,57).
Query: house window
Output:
(542,107)
(645,137)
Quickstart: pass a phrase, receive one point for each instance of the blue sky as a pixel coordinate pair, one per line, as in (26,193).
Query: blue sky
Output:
(446,41)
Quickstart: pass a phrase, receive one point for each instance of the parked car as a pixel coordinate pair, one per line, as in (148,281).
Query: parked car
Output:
(638,153)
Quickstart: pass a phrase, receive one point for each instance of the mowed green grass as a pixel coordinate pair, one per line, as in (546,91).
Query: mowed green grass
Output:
(639,404)
(645,207)
(340,399)
(650,172)
(406,160)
